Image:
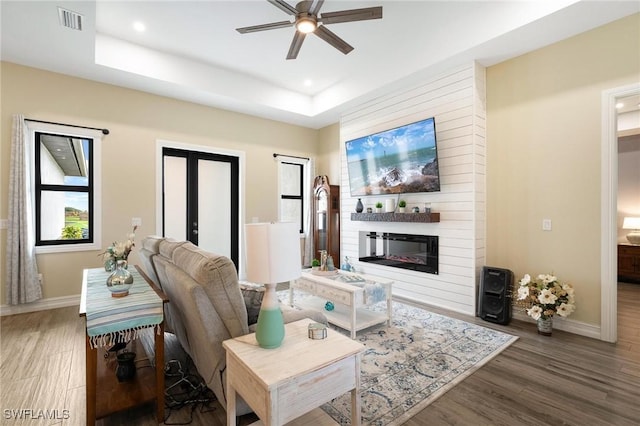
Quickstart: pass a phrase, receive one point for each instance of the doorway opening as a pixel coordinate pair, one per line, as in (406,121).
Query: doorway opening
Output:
(609,210)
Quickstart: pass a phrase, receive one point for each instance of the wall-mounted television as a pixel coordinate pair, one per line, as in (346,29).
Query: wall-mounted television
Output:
(395,161)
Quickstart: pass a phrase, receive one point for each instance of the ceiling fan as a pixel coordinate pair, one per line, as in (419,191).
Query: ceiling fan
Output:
(309,20)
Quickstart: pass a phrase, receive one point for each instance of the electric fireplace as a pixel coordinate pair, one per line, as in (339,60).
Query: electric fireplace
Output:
(406,251)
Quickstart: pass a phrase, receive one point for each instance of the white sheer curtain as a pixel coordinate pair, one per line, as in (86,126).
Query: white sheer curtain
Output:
(310,172)
(23,285)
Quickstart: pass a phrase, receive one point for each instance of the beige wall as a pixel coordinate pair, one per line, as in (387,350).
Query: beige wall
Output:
(328,159)
(543,156)
(136,120)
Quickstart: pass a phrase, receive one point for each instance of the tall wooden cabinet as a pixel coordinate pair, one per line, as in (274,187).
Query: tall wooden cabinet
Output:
(326,219)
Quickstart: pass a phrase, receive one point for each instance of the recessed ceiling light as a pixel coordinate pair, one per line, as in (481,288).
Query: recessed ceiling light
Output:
(619,105)
(308,82)
(139,26)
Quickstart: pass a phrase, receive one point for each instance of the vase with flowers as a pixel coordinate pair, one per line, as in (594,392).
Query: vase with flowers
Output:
(544,297)
(118,250)
(120,280)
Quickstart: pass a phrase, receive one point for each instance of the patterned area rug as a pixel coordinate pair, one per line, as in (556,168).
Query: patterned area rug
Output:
(407,366)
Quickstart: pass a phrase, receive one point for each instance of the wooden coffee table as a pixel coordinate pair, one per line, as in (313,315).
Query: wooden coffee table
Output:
(349,298)
(284,383)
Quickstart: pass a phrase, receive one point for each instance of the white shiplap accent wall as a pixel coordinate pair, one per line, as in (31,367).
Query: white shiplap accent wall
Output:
(479,142)
(457,101)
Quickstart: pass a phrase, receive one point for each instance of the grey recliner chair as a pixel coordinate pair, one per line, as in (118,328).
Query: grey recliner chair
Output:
(206,305)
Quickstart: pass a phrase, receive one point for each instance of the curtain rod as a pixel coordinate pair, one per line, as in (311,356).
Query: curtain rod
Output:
(104,131)
(290,156)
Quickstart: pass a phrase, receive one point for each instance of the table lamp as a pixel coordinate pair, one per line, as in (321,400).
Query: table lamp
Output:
(273,256)
(632,223)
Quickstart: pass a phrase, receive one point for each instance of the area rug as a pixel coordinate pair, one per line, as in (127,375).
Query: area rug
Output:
(408,365)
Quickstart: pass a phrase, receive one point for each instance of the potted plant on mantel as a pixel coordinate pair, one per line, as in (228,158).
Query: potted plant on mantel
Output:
(402,204)
(315,264)
(378,207)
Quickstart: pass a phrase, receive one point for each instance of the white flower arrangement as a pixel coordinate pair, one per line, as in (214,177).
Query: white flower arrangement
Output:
(120,250)
(546,296)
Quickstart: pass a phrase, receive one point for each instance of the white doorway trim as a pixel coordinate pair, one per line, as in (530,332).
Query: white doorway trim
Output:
(609,210)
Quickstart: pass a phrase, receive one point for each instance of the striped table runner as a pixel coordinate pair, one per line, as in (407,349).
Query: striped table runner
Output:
(119,319)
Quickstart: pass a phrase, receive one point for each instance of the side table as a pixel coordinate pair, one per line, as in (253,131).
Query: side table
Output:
(284,383)
(148,385)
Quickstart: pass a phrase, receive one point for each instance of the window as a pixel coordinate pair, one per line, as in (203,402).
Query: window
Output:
(292,206)
(66,188)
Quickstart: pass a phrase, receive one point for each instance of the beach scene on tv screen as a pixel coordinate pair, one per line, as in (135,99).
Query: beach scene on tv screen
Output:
(395,161)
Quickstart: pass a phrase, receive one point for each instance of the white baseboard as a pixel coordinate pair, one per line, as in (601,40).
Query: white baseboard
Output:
(566,324)
(559,323)
(41,305)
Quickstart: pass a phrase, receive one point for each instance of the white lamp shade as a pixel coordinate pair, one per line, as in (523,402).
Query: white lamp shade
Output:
(273,252)
(631,223)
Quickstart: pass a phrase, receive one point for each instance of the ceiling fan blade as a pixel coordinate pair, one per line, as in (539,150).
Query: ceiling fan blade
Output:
(351,15)
(264,27)
(285,7)
(314,9)
(333,39)
(296,44)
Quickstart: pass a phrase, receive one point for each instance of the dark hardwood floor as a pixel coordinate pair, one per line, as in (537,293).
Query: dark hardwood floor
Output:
(564,379)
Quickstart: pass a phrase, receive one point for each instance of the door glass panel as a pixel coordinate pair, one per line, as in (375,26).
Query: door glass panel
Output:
(321,218)
(322,201)
(322,231)
(214,207)
(175,198)
(67,216)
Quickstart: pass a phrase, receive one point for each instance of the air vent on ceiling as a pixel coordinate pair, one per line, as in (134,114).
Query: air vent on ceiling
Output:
(70,19)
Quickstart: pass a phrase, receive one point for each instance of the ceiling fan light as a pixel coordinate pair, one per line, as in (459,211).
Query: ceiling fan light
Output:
(306,25)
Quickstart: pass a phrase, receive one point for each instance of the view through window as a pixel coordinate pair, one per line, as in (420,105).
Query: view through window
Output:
(63,189)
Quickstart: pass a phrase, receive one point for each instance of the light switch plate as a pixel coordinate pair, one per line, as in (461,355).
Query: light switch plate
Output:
(546,224)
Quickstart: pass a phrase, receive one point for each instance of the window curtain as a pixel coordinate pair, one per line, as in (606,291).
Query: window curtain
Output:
(23,285)
(310,172)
